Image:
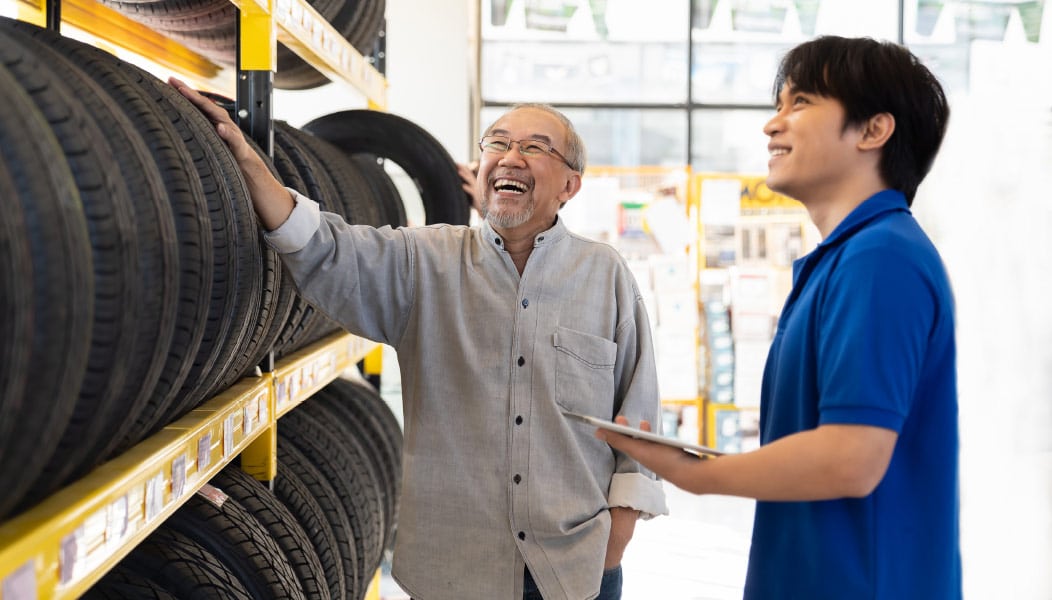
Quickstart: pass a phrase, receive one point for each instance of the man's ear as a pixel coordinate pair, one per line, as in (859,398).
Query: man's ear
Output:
(877,131)
(573,185)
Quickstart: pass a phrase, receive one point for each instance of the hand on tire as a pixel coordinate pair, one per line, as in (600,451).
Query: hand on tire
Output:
(272,202)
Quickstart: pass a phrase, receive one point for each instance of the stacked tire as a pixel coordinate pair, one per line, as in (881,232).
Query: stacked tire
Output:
(321,532)
(209,28)
(135,284)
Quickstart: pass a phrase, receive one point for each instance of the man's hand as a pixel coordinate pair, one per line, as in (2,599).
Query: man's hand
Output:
(469,175)
(828,462)
(622,526)
(272,202)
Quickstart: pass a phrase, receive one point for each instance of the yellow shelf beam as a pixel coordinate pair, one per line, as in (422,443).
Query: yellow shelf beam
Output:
(294,23)
(309,35)
(63,545)
(107,24)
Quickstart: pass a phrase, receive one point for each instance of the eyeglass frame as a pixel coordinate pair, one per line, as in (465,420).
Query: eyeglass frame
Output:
(551,149)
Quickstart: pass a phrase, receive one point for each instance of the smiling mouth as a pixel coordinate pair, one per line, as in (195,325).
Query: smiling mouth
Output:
(775,152)
(510,186)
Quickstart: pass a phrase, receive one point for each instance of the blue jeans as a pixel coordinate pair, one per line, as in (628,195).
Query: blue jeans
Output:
(610,589)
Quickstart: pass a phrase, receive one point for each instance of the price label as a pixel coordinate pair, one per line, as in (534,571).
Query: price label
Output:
(204,452)
(178,475)
(116,520)
(228,436)
(20,585)
(154,496)
(68,556)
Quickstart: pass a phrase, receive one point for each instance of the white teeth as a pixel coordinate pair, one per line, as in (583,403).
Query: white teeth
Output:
(779,151)
(510,183)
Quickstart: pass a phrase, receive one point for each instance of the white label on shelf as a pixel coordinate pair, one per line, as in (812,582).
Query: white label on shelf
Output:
(69,555)
(264,408)
(154,496)
(204,452)
(282,392)
(116,520)
(20,585)
(324,366)
(228,436)
(294,384)
(178,476)
(249,413)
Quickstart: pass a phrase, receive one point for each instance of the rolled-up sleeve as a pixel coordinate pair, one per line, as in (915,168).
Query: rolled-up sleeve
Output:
(294,234)
(637,491)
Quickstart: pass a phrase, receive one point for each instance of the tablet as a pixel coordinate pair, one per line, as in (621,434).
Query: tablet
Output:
(643,435)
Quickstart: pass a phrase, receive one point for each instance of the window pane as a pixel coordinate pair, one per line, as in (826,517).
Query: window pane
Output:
(625,137)
(739,43)
(572,51)
(964,42)
(729,141)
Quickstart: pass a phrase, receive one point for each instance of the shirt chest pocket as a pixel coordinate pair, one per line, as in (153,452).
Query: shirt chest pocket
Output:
(584,372)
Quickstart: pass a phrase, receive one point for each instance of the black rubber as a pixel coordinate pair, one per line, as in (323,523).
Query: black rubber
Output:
(292,463)
(409,146)
(185,196)
(50,309)
(237,539)
(185,568)
(344,402)
(156,267)
(346,465)
(304,507)
(121,583)
(280,523)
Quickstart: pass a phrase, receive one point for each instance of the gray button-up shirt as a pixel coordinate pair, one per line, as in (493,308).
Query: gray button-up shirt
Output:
(493,473)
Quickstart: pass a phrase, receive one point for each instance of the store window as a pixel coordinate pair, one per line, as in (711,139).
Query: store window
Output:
(584,51)
(729,140)
(624,137)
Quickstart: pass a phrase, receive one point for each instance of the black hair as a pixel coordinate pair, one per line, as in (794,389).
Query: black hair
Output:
(869,77)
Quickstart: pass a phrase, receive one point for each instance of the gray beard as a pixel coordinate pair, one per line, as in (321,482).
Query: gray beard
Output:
(508,220)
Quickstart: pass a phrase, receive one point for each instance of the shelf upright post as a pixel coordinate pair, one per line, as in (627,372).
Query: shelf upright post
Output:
(53,14)
(256,61)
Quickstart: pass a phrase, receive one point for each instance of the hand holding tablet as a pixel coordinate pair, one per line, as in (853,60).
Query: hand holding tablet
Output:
(642,435)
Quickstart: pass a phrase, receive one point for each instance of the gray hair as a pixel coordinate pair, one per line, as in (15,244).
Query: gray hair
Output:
(574,152)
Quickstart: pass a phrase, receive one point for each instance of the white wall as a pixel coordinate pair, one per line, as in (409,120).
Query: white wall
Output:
(428,68)
(427,75)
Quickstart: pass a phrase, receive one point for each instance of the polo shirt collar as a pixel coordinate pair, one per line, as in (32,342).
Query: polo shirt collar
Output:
(882,202)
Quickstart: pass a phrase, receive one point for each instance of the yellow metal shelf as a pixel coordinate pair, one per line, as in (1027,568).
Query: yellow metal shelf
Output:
(294,23)
(117,29)
(62,546)
(308,34)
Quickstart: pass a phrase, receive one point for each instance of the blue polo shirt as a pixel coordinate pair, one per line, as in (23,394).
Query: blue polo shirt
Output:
(866,337)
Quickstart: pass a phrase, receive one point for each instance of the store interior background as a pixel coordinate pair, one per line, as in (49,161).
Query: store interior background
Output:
(985,203)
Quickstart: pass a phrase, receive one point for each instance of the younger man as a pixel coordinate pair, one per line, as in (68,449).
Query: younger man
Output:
(856,477)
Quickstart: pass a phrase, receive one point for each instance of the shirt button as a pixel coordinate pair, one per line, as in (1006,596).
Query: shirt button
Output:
(540,239)
(525,302)
(521,361)
(517,479)
(518,420)
(522,535)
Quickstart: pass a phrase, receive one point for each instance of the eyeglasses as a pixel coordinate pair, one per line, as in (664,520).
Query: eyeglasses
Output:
(499,144)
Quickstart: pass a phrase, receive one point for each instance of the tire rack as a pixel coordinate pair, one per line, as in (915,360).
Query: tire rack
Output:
(62,546)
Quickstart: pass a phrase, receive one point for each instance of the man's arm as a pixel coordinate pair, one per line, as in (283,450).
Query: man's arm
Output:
(831,461)
(622,526)
(272,202)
